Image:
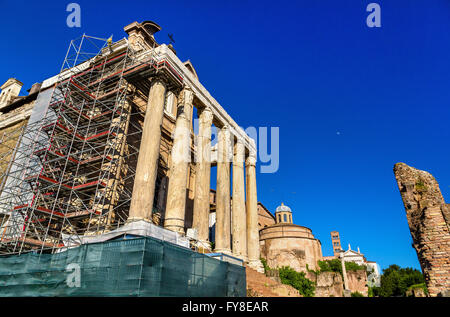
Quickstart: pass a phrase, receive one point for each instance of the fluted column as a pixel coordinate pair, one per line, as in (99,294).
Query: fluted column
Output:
(203,177)
(147,164)
(181,157)
(252,215)
(223,207)
(239,221)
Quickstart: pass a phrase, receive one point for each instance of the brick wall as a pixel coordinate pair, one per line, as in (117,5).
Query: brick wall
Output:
(428,220)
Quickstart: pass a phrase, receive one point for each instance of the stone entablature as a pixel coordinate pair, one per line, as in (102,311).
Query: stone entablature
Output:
(15,116)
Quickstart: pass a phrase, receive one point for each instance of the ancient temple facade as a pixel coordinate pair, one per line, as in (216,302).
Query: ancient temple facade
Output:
(116,144)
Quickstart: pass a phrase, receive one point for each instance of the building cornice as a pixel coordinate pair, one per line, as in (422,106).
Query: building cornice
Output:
(21,116)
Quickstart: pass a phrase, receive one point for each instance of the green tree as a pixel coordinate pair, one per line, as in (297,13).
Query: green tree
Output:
(395,280)
(297,280)
(335,265)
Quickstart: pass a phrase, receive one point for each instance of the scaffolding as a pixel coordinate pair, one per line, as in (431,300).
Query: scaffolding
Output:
(71,173)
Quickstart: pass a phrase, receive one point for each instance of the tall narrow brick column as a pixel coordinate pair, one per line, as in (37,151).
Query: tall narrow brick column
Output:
(147,165)
(428,218)
(203,177)
(252,216)
(181,157)
(239,221)
(223,208)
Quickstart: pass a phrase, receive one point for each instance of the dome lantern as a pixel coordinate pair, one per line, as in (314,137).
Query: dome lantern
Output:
(283,214)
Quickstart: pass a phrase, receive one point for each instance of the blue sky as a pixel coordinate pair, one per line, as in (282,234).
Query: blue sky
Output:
(311,68)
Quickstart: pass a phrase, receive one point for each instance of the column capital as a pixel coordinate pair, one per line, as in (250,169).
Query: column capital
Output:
(206,115)
(225,132)
(225,128)
(224,145)
(186,96)
(239,141)
(239,151)
(251,160)
(159,78)
(188,88)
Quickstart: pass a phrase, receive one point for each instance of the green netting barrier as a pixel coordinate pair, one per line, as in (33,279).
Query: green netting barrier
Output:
(133,267)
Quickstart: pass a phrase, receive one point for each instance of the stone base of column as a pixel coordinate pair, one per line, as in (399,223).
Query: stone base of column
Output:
(203,246)
(224,251)
(133,219)
(174,224)
(256,265)
(177,229)
(242,257)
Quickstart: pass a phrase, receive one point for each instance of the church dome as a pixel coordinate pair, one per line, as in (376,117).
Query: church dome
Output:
(282,208)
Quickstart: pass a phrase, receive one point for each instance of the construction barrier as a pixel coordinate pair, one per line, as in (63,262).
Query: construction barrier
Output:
(133,267)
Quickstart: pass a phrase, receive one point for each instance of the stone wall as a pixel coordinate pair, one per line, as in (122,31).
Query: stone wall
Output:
(265,217)
(8,139)
(428,219)
(290,245)
(328,284)
(416,292)
(357,281)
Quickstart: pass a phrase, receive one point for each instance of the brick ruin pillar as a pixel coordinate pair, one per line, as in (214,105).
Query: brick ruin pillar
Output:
(181,157)
(428,219)
(147,165)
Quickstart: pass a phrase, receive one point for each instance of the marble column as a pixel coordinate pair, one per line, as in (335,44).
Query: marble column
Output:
(181,157)
(203,177)
(239,221)
(223,199)
(147,165)
(252,216)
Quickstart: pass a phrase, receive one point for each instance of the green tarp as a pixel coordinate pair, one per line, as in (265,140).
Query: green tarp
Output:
(133,267)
